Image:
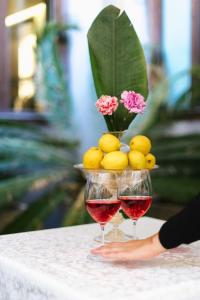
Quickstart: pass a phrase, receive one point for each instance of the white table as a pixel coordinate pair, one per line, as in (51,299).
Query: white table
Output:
(53,264)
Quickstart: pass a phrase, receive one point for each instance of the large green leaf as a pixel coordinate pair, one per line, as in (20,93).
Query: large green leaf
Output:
(117,61)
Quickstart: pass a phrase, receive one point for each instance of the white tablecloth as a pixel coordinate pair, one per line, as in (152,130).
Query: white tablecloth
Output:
(54,265)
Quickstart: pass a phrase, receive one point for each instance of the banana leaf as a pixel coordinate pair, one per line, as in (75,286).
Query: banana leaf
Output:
(117,61)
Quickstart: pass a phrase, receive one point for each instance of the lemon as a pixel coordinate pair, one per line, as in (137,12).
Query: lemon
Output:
(137,160)
(92,158)
(108,143)
(116,160)
(141,143)
(150,161)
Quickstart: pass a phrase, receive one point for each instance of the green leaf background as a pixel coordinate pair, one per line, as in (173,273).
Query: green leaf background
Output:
(117,61)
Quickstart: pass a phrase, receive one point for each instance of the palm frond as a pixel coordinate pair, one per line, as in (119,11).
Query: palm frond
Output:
(53,90)
(13,189)
(36,213)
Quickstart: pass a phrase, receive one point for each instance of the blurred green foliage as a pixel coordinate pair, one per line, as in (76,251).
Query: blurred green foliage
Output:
(36,161)
(176,141)
(51,79)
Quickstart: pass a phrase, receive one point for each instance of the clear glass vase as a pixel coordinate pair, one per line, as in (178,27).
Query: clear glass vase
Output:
(110,182)
(116,234)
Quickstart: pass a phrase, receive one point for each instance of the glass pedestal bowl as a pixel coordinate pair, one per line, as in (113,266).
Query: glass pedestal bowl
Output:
(115,234)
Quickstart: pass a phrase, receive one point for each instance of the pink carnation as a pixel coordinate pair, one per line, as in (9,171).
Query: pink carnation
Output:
(134,102)
(107,105)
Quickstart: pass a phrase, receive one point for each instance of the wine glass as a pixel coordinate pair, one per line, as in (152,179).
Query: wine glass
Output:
(135,194)
(101,198)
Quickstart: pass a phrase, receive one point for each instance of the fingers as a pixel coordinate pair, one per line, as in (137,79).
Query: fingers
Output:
(109,246)
(117,256)
(114,251)
(123,251)
(109,253)
(132,250)
(116,247)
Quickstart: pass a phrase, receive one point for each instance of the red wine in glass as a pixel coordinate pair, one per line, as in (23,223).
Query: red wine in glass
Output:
(135,206)
(102,210)
(135,194)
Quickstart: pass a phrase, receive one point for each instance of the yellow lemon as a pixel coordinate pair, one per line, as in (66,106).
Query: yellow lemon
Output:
(140,143)
(108,143)
(116,160)
(92,158)
(137,160)
(150,161)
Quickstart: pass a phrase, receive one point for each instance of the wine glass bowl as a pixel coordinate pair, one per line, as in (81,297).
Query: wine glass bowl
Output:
(101,197)
(135,194)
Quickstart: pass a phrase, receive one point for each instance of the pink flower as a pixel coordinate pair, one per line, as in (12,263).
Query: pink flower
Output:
(134,102)
(106,105)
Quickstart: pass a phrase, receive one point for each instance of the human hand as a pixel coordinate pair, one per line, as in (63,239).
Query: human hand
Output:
(131,250)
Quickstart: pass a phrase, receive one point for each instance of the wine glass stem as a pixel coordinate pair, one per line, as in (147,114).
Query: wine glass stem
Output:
(102,234)
(115,230)
(134,230)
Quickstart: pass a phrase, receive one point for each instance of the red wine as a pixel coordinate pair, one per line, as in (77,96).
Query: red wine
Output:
(135,206)
(102,211)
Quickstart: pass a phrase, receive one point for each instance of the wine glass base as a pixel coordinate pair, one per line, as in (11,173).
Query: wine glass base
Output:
(115,235)
(95,258)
